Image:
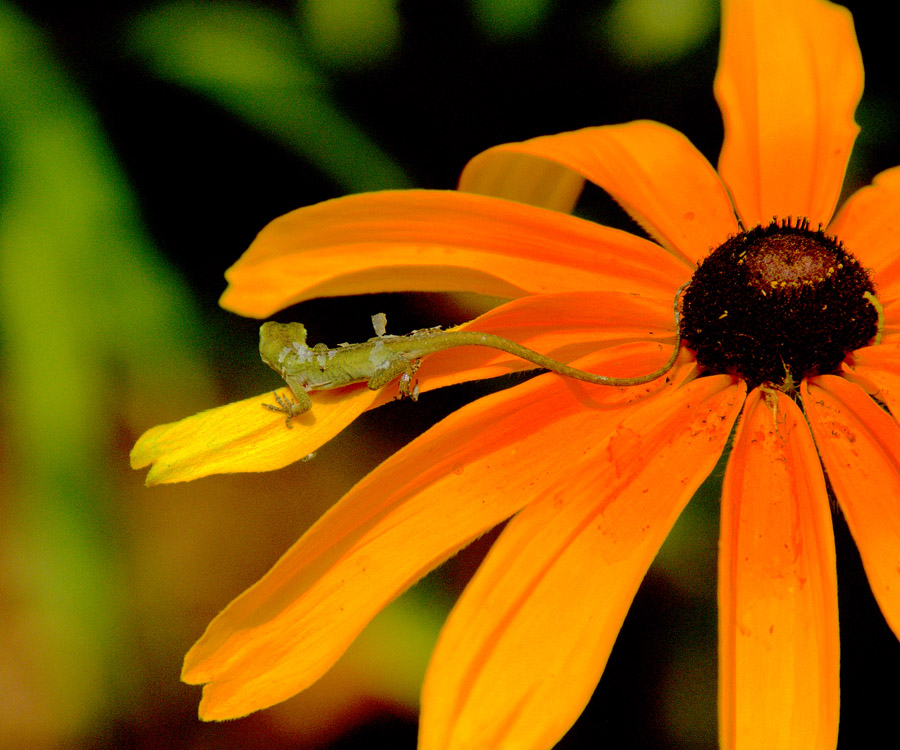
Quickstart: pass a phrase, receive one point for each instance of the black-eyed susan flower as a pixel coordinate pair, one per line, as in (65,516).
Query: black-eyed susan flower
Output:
(790,345)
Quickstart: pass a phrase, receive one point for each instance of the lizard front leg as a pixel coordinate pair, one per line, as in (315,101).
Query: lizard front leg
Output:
(288,407)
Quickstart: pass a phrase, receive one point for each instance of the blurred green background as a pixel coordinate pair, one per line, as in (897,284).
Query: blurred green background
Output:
(142,146)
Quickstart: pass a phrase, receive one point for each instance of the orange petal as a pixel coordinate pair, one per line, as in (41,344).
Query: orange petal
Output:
(563,326)
(891,332)
(471,471)
(778,618)
(639,164)
(790,77)
(860,447)
(869,226)
(419,240)
(518,177)
(526,644)
(877,370)
(244,436)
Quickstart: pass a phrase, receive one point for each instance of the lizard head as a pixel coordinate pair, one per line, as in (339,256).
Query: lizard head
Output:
(277,340)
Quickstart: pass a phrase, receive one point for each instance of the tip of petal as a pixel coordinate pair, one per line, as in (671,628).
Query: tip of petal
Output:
(244,437)
(214,708)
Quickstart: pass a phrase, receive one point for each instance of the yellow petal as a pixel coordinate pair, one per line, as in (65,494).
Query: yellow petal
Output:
(860,447)
(468,473)
(868,225)
(244,436)
(778,617)
(790,77)
(526,644)
(652,170)
(419,240)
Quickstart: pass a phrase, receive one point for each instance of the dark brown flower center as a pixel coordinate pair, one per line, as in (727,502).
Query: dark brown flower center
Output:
(775,304)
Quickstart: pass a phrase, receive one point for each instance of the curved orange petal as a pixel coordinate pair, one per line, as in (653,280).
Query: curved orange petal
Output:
(466,474)
(869,226)
(244,436)
(778,617)
(518,177)
(790,77)
(420,240)
(860,447)
(527,642)
(652,170)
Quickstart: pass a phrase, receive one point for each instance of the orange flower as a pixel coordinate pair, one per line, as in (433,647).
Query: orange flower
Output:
(594,477)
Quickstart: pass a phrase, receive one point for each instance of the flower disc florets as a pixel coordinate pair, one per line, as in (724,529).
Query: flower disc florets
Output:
(777,303)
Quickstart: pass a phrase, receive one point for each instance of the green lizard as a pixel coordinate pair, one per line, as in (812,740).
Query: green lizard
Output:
(383,358)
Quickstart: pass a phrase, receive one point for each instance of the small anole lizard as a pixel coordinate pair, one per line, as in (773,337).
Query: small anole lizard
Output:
(383,358)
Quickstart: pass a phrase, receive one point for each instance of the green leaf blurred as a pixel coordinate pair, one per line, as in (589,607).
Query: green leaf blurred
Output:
(510,19)
(251,62)
(94,330)
(644,33)
(350,34)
